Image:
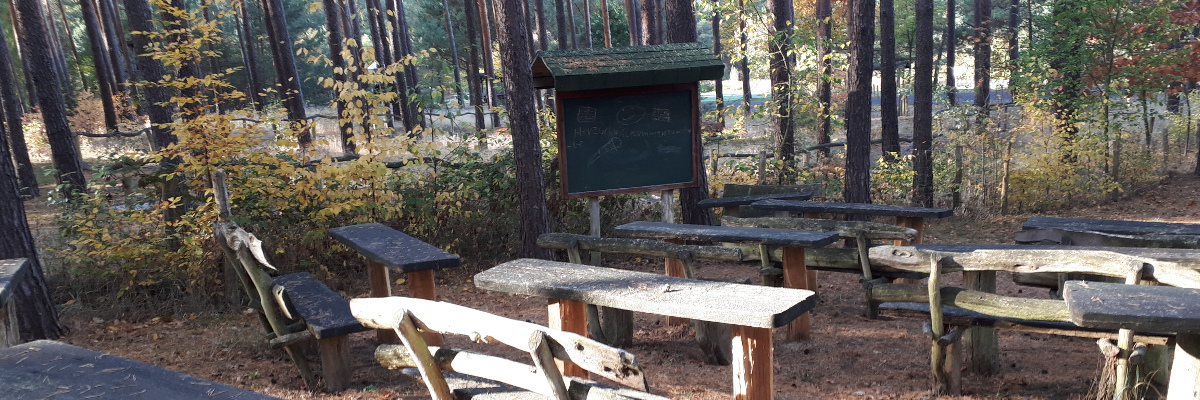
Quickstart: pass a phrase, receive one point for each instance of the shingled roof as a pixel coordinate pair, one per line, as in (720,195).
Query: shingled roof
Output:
(567,70)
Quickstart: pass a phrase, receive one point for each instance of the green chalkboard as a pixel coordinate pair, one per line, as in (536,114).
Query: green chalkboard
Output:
(623,141)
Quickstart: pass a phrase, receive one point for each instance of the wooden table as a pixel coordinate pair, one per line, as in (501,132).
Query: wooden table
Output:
(1146,309)
(12,271)
(388,249)
(52,370)
(795,272)
(1108,232)
(752,310)
(732,205)
(908,217)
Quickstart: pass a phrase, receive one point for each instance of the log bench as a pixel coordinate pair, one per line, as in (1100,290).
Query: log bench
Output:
(12,271)
(387,249)
(474,375)
(46,369)
(752,310)
(1146,308)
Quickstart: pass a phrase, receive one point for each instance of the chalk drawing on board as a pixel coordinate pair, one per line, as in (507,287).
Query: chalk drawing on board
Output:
(587,114)
(661,114)
(630,115)
(612,145)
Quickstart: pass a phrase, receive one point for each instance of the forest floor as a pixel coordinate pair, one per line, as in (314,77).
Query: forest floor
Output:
(849,356)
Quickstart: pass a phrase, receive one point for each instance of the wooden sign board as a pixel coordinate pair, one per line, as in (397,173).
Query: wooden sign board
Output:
(628,140)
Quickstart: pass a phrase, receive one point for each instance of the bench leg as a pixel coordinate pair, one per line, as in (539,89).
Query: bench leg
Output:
(674,267)
(918,224)
(421,286)
(9,334)
(752,358)
(795,276)
(981,343)
(335,363)
(1185,371)
(568,316)
(381,286)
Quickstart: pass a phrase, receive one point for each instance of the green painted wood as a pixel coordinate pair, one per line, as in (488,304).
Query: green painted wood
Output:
(11,273)
(727,234)
(393,249)
(853,208)
(46,369)
(325,312)
(730,303)
(1118,227)
(1136,307)
(605,68)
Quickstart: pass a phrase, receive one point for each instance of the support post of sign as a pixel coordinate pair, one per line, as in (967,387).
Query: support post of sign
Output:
(668,212)
(594,216)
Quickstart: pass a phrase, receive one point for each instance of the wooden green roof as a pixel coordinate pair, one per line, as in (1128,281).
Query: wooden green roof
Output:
(567,70)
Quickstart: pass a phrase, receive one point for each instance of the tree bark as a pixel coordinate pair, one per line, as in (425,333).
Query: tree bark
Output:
(249,58)
(889,116)
(825,72)
(560,16)
(110,24)
(30,93)
(571,23)
(473,66)
(100,61)
(454,54)
(631,20)
(857,187)
(951,43)
(489,70)
(983,62)
(607,23)
(539,7)
(650,30)
(1068,83)
(681,25)
(587,21)
(63,148)
(336,38)
(518,84)
(720,84)
(408,111)
(285,65)
(781,85)
(26,178)
(923,106)
(744,72)
(1014,50)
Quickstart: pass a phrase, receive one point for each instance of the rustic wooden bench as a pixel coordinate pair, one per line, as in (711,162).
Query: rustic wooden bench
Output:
(909,217)
(752,310)
(12,271)
(480,376)
(795,272)
(737,194)
(387,249)
(1146,308)
(46,369)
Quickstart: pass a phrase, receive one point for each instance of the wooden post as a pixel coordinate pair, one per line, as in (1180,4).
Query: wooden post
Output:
(753,372)
(917,224)
(594,218)
(335,363)
(795,276)
(981,343)
(381,286)
(668,212)
(674,267)
(1185,371)
(421,286)
(9,334)
(568,316)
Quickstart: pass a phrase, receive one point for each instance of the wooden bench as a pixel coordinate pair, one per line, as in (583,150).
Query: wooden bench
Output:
(752,310)
(12,271)
(1146,308)
(479,376)
(46,369)
(909,217)
(387,249)
(738,193)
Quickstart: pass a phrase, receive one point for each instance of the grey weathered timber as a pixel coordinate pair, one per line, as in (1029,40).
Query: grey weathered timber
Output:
(1184,257)
(1118,227)
(748,200)
(846,229)
(11,273)
(731,303)
(962,317)
(643,247)
(852,208)
(736,190)
(392,248)
(46,369)
(728,234)
(325,312)
(1093,238)
(1136,307)
(994,305)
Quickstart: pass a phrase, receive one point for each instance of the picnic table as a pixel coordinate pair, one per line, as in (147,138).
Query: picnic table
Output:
(47,369)
(793,243)
(1108,232)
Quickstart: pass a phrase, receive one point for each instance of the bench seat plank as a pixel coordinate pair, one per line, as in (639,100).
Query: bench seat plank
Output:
(852,208)
(1135,307)
(962,317)
(731,303)
(727,234)
(48,369)
(392,248)
(748,200)
(325,312)
(1118,227)
(11,273)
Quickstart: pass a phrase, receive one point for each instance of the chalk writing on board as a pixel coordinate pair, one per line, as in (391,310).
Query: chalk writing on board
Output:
(612,145)
(662,114)
(587,115)
(630,115)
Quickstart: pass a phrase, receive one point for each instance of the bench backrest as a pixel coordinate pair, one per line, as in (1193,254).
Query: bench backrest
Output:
(737,190)
(545,346)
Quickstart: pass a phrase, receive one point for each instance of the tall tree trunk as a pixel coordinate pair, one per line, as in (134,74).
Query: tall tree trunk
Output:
(571,24)
(26,178)
(285,65)
(488,70)
(100,61)
(336,29)
(560,16)
(60,59)
(781,86)
(650,30)
(37,316)
(539,6)
(983,62)
(1014,50)
(63,149)
(189,66)
(681,26)
(407,112)
(1068,83)
(383,50)
(454,54)
(951,40)
(720,84)
(518,84)
(631,20)
(744,71)
(249,58)
(857,187)
(824,72)
(30,93)
(607,25)
(62,12)
(587,21)
(923,106)
(116,54)
(473,66)
(889,120)
(212,60)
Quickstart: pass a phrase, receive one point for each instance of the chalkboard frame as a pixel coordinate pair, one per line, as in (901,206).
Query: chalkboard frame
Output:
(693,90)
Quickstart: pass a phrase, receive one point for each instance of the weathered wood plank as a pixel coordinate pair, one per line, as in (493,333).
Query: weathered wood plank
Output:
(1185,370)
(392,248)
(747,200)
(1118,227)
(1184,257)
(961,317)
(729,234)
(325,312)
(1137,307)
(757,306)
(852,208)
(48,369)
(991,304)
(642,247)
(12,271)
(846,229)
